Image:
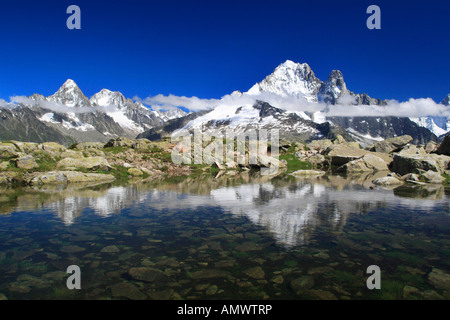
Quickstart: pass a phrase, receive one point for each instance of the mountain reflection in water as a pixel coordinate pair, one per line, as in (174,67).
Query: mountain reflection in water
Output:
(288,208)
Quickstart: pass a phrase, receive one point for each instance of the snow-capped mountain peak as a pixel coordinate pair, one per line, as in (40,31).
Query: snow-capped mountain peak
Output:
(446,100)
(108,98)
(333,88)
(69,85)
(70,95)
(290,79)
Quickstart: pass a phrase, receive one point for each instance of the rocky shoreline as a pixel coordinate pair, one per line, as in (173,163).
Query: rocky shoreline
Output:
(34,164)
(401,161)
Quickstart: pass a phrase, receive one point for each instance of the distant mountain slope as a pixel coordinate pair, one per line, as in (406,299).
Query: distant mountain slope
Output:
(23,125)
(68,116)
(440,126)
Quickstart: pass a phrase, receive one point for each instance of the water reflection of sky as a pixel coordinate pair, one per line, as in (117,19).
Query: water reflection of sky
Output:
(289,211)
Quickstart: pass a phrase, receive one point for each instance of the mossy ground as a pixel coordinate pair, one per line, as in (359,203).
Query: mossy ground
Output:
(294,163)
(447,179)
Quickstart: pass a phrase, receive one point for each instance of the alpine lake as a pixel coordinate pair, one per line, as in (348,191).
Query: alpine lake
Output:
(239,236)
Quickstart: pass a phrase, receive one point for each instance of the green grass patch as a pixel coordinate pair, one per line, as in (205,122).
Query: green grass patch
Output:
(294,164)
(390,290)
(115,150)
(45,161)
(345,278)
(405,258)
(290,263)
(447,179)
(203,168)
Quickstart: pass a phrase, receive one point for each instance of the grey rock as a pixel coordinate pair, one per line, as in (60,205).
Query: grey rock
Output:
(61,177)
(433,177)
(26,162)
(307,173)
(387,181)
(404,164)
(367,163)
(91,163)
(392,144)
(431,147)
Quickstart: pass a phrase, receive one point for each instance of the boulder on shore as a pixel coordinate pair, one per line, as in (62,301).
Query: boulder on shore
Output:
(433,177)
(417,163)
(92,163)
(392,144)
(307,173)
(61,177)
(340,154)
(367,163)
(387,181)
(120,142)
(26,162)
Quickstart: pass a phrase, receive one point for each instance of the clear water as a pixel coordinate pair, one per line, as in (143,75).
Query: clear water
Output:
(236,237)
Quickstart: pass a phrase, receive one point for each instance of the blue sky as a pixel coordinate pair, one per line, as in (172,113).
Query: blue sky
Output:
(210,48)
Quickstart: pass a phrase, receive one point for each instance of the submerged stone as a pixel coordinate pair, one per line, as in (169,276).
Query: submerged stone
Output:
(302,284)
(110,249)
(439,279)
(212,290)
(127,290)
(147,274)
(322,294)
(255,273)
(72,249)
(209,274)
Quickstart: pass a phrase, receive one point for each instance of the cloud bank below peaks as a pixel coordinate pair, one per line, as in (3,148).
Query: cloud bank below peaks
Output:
(345,108)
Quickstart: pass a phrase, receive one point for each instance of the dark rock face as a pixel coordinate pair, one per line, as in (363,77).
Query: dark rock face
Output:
(22,124)
(386,127)
(165,130)
(444,147)
(446,100)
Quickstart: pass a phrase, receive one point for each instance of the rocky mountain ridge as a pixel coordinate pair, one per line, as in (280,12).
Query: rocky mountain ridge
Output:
(69,116)
(297,80)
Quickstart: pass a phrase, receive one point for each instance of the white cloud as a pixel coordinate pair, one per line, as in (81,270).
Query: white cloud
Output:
(344,108)
(161,102)
(346,99)
(410,108)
